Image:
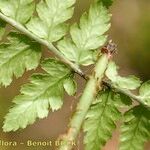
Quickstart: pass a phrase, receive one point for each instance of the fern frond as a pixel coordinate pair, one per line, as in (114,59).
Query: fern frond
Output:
(100,121)
(87,36)
(52,14)
(16,55)
(135,130)
(44,92)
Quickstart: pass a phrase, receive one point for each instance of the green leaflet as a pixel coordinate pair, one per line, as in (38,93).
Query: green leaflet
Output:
(43,92)
(19,10)
(131,82)
(2,28)
(100,121)
(122,101)
(18,54)
(136,129)
(145,92)
(52,14)
(87,36)
(70,86)
(111,71)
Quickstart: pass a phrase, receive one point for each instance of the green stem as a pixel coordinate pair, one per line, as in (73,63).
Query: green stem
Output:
(89,94)
(43,42)
(126,92)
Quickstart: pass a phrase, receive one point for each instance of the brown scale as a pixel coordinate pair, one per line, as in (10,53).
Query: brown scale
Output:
(110,48)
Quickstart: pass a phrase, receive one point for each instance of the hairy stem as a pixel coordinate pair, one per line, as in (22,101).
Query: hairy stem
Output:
(123,91)
(89,94)
(43,42)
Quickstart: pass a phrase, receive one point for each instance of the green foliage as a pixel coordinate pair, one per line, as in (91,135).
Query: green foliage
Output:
(43,92)
(87,36)
(2,28)
(100,121)
(136,129)
(19,10)
(122,100)
(131,82)
(145,92)
(16,55)
(70,86)
(107,3)
(52,14)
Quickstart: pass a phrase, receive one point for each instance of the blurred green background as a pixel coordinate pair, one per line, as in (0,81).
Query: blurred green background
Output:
(131,31)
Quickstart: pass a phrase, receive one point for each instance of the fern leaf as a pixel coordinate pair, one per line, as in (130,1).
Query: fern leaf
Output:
(131,82)
(122,100)
(100,121)
(52,14)
(19,10)
(87,36)
(135,130)
(18,54)
(145,92)
(70,86)
(44,91)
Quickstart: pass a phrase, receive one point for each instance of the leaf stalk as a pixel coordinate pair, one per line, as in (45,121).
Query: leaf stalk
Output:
(89,94)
